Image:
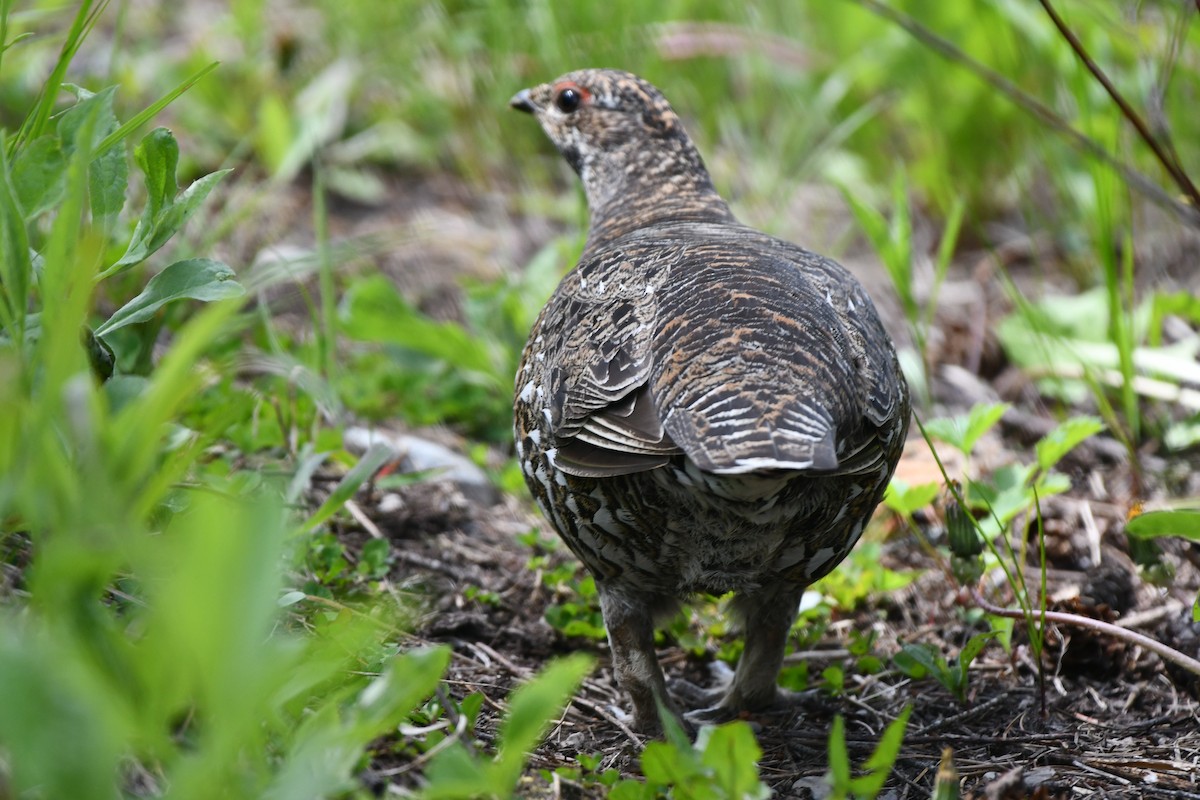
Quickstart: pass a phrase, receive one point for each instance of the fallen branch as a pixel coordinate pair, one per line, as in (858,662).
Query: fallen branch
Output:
(1075,620)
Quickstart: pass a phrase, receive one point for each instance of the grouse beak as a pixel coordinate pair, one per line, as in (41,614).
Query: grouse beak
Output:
(522,101)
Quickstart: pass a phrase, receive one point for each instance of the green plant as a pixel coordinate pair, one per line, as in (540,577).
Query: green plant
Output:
(455,773)
(186,682)
(860,576)
(1181,522)
(1098,341)
(122,643)
(576,610)
(977,516)
(451,371)
(721,765)
(876,769)
(968,538)
(588,773)
(37,184)
(919,660)
(153,628)
(892,242)
(835,680)
(945,786)
(1013,489)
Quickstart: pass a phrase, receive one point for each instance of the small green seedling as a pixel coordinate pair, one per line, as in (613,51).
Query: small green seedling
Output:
(722,765)
(875,771)
(455,772)
(918,660)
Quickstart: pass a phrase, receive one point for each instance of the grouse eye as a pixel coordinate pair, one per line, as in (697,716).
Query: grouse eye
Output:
(568,99)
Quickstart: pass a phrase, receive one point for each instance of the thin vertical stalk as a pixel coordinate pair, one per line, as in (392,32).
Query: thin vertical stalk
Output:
(326,324)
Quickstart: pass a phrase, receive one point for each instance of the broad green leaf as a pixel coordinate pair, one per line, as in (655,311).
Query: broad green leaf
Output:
(905,499)
(963,432)
(970,651)
(108,179)
(171,221)
(1008,493)
(632,790)
(1152,524)
(166,212)
(38,174)
(374,311)
(291,598)
(1003,627)
(918,660)
(732,754)
(454,774)
(406,682)
(531,709)
(1060,441)
(835,679)
(470,707)
(108,172)
(669,764)
(1051,483)
(195,279)
(914,657)
(158,157)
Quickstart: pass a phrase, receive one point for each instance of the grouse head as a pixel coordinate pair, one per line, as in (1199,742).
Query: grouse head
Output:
(620,135)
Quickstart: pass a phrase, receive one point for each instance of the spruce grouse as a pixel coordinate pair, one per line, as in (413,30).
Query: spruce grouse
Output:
(700,407)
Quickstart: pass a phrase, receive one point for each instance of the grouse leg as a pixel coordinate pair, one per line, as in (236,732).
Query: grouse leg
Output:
(630,624)
(767,615)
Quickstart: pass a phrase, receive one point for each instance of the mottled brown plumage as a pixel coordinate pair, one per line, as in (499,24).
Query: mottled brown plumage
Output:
(700,407)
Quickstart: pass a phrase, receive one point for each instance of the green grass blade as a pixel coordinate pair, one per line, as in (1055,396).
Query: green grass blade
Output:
(378,455)
(15,264)
(1040,111)
(150,111)
(326,326)
(35,124)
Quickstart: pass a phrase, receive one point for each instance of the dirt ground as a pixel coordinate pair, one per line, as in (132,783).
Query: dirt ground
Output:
(1110,720)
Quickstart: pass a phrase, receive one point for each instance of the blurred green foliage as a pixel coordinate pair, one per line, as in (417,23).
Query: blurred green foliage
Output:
(165,609)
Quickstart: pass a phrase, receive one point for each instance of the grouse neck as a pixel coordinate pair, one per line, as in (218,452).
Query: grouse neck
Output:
(650,185)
